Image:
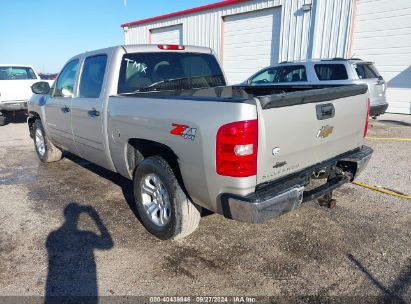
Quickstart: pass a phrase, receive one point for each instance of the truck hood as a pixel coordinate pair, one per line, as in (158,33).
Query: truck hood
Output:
(12,90)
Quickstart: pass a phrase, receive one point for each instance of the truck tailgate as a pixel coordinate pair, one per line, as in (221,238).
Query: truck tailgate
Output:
(301,129)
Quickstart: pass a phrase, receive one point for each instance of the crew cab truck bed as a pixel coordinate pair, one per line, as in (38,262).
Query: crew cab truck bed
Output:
(163,117)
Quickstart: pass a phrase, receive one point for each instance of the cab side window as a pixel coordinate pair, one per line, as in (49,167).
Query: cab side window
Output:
(64,86)
(92,76)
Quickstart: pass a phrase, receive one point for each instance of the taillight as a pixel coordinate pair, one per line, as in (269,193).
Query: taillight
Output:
(171,47)
(236,149)
(366,118)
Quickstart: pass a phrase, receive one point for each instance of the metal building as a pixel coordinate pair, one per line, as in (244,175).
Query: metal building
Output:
(248,35)
(382,33)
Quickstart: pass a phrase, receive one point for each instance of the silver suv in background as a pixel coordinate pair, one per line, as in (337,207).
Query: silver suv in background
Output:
(337,71)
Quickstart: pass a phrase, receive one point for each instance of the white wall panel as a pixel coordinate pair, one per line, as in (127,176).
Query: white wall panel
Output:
(321,32)
(251,42)
(332,28)
(169,34)
(382,33)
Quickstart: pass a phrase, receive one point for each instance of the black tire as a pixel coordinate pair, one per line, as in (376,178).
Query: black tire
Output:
(184,216)
(51,152)
(2,120)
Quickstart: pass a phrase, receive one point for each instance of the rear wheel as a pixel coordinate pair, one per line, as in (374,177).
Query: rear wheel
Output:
(165,210)
(46,151)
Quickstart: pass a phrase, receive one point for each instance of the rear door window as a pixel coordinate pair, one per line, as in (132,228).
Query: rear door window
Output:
(188,70)
(331,71)
(16,73)
(292,73)
(366,71)
(92,76)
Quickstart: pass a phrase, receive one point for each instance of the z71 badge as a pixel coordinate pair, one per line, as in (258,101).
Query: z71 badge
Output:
(184,131)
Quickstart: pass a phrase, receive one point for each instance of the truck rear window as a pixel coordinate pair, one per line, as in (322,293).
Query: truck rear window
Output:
(16,73)
(331,71)
(366,71)
(168,70)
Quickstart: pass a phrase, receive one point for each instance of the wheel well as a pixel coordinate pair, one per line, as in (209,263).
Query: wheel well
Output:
(33,116)
(139,149)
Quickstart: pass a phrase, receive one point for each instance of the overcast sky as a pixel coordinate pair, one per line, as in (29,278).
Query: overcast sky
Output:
(46,33)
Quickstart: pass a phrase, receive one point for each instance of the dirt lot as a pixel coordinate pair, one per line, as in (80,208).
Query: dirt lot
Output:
(362,248)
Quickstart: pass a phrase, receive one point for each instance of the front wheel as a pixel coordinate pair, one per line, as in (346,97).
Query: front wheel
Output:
(46,151)
(164,209)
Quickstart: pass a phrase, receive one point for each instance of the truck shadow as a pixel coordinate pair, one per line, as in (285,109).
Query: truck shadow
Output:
(398,288)
(125,184)
(72,273)
(395,122)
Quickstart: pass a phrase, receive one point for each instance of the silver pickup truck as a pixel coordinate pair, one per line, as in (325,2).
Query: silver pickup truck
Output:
(162,116)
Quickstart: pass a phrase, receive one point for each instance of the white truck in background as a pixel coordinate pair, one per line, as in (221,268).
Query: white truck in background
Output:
(15,88)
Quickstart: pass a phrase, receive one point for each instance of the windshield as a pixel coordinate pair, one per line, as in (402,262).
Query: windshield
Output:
(16,73)
(145,71)
(366,71)
(265,76)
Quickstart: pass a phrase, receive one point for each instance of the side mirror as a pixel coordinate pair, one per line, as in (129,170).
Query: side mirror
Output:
(249,81)
(41,87)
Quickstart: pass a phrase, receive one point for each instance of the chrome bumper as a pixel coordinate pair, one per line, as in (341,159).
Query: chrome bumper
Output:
(376,110)
(257,212)
(272,200)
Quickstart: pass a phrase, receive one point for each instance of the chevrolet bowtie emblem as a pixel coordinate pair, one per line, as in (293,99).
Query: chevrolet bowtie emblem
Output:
(325,131)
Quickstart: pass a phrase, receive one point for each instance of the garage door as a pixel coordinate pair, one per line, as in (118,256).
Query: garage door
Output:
(250,42)
(382,33)
(170,34)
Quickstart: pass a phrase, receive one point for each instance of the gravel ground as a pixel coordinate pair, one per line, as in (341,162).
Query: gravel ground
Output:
(362,248)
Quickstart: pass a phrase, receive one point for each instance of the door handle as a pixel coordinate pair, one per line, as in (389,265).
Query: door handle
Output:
(65,109)
(325,111)
(93,113)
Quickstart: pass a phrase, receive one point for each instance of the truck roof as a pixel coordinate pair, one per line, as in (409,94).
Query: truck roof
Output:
(136,48)
(15,65)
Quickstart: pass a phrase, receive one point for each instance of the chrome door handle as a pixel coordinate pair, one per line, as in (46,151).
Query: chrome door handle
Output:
(65,109)
(93,113)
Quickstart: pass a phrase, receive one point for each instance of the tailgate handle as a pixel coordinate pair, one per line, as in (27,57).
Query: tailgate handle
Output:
(325,111)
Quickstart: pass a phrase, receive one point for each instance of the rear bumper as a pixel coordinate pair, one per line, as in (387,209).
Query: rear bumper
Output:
(378,109)
(274,199)
(13,105)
